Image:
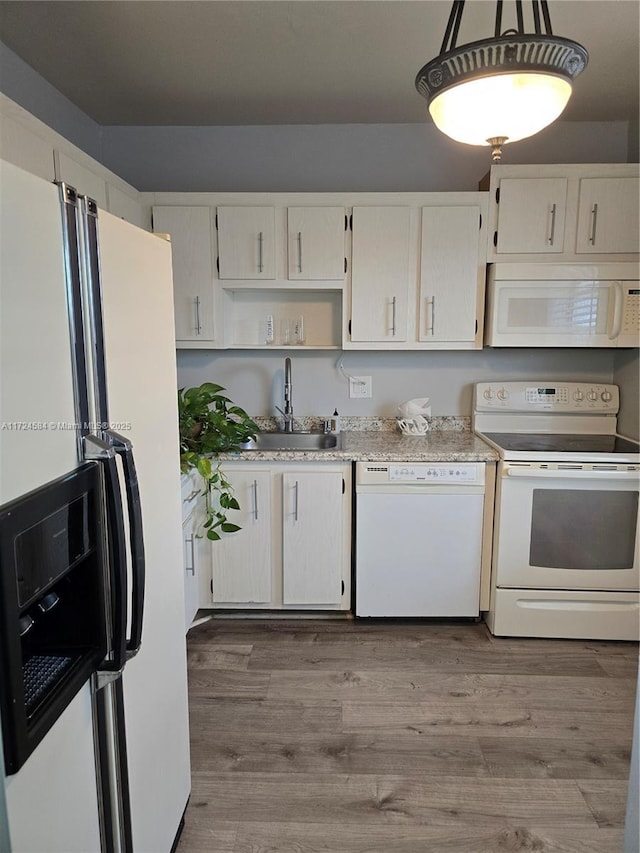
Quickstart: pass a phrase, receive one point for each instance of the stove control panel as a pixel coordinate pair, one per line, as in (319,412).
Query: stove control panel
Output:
(545,396)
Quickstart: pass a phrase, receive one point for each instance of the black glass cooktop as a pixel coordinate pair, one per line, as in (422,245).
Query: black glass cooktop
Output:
(558,443)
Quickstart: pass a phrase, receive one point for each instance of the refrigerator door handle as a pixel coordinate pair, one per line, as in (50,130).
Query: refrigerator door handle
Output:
(95,449)
(124,449)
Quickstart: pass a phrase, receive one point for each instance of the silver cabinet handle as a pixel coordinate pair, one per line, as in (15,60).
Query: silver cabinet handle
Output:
(196,302)
(192,496)
(260,265)
(295,505)
(594,219)
(191,570)
(393,316)
(300,251)
(552,230)
(255,499)
(431,330)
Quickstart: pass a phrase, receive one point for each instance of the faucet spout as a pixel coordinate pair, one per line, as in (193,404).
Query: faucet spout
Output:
(288,394)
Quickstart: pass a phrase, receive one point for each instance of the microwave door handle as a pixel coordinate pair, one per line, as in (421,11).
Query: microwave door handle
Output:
(124,449)
(616,314)
(95,449)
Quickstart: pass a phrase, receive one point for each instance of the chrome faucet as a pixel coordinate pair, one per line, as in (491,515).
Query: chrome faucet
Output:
(288,406)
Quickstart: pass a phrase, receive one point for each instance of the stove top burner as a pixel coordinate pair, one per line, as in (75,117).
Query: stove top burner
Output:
(559,443)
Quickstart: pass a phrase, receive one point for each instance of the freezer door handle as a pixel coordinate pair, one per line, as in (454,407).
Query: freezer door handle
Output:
(124,449)
(95,449)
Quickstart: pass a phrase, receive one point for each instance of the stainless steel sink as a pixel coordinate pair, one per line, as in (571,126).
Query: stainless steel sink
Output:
(293,441)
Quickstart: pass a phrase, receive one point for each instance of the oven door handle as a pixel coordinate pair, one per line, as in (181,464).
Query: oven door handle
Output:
(571,474)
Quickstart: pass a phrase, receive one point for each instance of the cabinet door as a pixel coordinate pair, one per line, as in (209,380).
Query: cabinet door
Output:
(380,273)
(449,264)
(608,216)
(246,242)
(312,507)
(190,230)
(191,568)
(242,561)
(315,243)
(531,215)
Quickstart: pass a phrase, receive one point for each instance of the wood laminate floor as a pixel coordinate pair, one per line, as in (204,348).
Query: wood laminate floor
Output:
(351,737)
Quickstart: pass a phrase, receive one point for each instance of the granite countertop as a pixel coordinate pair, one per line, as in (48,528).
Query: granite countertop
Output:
(448,440)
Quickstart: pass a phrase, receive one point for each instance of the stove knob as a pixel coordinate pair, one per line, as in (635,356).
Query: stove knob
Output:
(488,394)
(503,394)
(592,395)
(606,396)
(578,396)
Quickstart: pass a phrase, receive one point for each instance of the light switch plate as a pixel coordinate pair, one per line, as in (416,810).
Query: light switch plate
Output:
(360,387)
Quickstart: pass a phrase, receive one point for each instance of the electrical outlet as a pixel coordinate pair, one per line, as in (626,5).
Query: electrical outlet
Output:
(360,386)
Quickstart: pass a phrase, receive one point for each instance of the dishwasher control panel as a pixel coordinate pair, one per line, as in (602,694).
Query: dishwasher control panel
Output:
(420,473)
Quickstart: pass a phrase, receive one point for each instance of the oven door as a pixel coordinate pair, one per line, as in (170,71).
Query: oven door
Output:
(567,526)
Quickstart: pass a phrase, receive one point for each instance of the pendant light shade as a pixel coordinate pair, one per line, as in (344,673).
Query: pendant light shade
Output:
(504,88)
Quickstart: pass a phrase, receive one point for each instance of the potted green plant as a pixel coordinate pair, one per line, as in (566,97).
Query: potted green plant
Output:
(211,424)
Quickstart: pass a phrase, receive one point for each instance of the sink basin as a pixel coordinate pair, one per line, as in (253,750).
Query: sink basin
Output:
(292,441)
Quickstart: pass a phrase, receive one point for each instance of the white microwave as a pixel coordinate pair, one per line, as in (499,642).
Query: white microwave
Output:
(563,305)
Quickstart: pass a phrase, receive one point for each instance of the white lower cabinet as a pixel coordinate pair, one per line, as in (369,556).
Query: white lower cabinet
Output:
(294,548)
(196,548)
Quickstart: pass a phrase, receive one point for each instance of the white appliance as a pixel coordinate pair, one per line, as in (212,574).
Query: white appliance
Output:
(419,538)
(565,544)
(563,305)
(87,344)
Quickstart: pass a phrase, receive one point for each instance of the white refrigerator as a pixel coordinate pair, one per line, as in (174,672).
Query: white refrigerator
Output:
(88,377)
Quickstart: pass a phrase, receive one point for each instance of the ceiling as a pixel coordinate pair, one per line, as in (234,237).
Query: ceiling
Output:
(211,62)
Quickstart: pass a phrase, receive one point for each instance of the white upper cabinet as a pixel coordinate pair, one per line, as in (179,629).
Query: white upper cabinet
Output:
(246,243)
(532,215)
(562,212)
(608,216)
(191,249)
(380,269)
(315,243)
(451,274)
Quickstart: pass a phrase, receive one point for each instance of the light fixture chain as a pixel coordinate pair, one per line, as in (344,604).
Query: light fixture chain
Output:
(453,26)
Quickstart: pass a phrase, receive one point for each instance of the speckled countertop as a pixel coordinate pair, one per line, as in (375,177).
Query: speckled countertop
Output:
(448,440)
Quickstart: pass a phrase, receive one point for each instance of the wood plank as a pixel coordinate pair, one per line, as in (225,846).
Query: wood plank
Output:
(556,758)
(256,837)
(483,718)
(200,836)
(424,686)
(283,752)
(381,800)
(607,800)
(222,684)
(218,656)
(228,715)
(436,657)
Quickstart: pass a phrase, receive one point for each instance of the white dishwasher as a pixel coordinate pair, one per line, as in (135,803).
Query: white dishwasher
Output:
(419,538)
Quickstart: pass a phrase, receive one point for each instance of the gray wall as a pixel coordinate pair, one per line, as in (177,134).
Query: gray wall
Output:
(26,87)
(255,381)
(336,158)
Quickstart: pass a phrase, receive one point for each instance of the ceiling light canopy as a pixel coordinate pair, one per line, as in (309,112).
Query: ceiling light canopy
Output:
(504,88)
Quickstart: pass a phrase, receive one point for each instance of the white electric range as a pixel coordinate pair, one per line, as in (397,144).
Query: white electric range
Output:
(566,535)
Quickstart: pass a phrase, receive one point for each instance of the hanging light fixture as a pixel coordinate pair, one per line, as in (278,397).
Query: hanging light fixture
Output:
(504,88)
